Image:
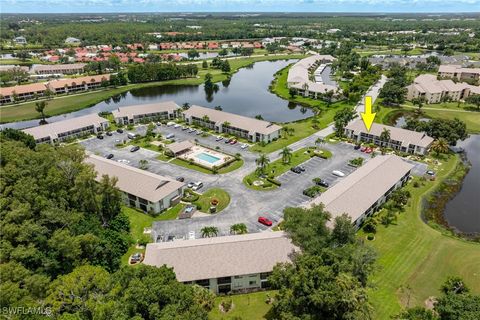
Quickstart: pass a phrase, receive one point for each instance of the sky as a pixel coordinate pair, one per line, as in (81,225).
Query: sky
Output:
(90,6)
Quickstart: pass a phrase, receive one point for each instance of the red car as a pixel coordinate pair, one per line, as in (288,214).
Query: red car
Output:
(265,221)
(363,149)
(369,150)
(233,141)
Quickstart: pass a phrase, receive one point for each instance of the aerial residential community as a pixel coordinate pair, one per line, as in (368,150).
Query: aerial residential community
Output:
(211,160)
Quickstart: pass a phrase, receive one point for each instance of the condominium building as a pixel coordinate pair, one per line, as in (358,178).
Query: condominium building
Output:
(400,139)
(459,73)
(305,76)
(22,92)
(223,122)
(78,84)
(146,112)
(362,192)
(431,90)
(45,69)
(68,129)
(226,264)
(141,189)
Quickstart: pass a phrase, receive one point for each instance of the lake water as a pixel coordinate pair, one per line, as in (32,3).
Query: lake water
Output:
(463,211)
(246,94)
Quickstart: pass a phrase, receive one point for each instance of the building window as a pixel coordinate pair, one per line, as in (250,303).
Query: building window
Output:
(224,280)
(251,283)
(203,282)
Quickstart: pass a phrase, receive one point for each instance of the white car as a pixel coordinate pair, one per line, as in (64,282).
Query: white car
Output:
(170,136)
(177,126)
(197,185)
(123,161)
(171,123)
(338,173)
(244,146)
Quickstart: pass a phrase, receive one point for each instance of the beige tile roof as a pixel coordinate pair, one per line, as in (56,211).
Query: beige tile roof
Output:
(179,146)
(47,67)
(56,84)
(405,136)
(452,68)
(26,88)
(209,258)
(55,128)
(356,193)
(299,71)
(141,183)
(250,124)
(132,111)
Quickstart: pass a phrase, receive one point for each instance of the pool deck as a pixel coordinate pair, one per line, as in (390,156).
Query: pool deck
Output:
(195,151)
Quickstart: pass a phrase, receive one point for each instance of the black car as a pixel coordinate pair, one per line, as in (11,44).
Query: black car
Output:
(296,170)
(120,130)
(322,183)
(357,146)
(109,156)
(181,179)
(99,136)
(228,140)
(109,134)
(302,168)
(135,148)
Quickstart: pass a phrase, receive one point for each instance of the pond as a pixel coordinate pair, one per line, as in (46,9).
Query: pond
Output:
(402,120)
(463,211)
(246,94)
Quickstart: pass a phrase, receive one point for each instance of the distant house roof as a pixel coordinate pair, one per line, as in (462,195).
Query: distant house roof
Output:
(141,183)
(217,257)
(131,111)
(355,194)
(48,67)
(405,136)
(299,74)
(245,123)
(429,83)
(26,88)
(177,147)
(452,68)
(57,84)
(55,128)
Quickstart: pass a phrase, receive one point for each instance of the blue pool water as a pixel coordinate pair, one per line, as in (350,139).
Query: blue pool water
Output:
(207,157)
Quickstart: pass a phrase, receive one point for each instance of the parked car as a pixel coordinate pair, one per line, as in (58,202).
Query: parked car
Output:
(233,141)
(265,221)
(131,135)
(302,168)
(244,146)
(190,184)
(176,126)
(171,123)
(159,124)
(109,156)
(120,130)
(134,148)
(363,149)
(296,170)
(99,136)
(219,138)
(181,179)
(191,130)
(228,140)
(199,132)
(369,150)
(430,172)
(338,173)
(170,136)
(109,133)
(123,161)
(185,128)
(322,183)
(197,185)
(357,146)
(136,258)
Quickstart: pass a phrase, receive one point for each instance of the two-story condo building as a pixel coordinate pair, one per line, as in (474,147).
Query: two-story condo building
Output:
(21,92)
(68,129)
(361,193)
(146,112)
(141,189)
(226,264)
(77,84)
(224,122)
(458,72)
(400,139)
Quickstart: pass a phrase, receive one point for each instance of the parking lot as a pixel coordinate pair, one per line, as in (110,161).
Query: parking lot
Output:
(246,205)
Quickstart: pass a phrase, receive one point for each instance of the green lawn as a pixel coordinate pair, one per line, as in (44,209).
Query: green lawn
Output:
(139,221)
(250,306)
(415,259)
(64,104)
(204,202)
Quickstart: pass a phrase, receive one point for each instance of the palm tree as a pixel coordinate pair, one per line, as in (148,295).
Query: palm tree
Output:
(219,108)
(40,108)
(319,142)
(440,146)
(419,103)
(262,163)
(238,228)
(209,231)
(286,154)
(385,136)
(186,106)
(315,122)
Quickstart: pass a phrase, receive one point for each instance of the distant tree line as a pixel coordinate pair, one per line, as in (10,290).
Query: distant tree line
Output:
(160,71)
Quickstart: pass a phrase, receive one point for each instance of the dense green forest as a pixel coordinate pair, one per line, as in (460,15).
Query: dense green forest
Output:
(52,30)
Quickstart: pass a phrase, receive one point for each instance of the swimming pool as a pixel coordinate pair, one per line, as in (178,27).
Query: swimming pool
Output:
(207,157)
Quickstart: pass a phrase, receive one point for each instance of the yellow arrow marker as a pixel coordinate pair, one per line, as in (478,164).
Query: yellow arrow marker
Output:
(368,116)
